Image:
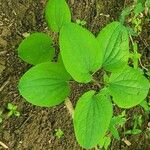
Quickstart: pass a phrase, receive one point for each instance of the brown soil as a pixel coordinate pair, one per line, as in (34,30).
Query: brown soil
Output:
(34,129)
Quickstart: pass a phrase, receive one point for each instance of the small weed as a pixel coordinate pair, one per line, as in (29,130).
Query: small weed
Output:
(81,22)
(116,122)
(12,110)
(1,117)
(137,123)
(59,133)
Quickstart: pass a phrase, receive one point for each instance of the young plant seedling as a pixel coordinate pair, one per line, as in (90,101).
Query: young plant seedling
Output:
(47,83)
(137,123)
(116,122)
(81,22)
(135,13)
(135,56)
(59,133)
(146,106)
(12,110)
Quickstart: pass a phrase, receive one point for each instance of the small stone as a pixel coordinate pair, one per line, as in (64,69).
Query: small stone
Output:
(26,34)
(127,142)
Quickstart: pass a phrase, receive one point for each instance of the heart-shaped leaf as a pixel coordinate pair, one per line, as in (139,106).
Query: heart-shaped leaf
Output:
(57,14)
(45,84)
(80,52)
(128,87)
(114,43)
(36,48)
(91,118)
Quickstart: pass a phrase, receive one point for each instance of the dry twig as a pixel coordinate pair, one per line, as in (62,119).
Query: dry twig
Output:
(69,107)
(3,145)
(4,84)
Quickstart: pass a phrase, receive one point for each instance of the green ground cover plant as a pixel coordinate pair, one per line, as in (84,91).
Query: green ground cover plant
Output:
(59,133)
(12,110)
(82,54)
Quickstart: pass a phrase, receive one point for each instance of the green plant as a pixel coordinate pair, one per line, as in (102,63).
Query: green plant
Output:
(105,142)
(135,13)
(146,106)
(12,110)
(137,123)
(81,55)
(116,122)
(59,133)
(81,22)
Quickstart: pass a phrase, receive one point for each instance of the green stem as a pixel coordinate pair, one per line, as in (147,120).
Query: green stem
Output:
(135,52)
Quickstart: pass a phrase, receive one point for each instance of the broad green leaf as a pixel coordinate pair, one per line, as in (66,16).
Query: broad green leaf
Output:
(57,14)
(80,52)
(114,43)
(45,84)
(128,87)
(36,48)
(91,118)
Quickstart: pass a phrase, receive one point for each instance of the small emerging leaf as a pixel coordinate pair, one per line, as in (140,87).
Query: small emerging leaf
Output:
(117,121)
(91,118)
(128,87)
(145,105)
(126,12)
(57,14)
(136,131)
(45,84)
(10,106)
(105,142)
(36,48)
(133,132)
(131,32)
